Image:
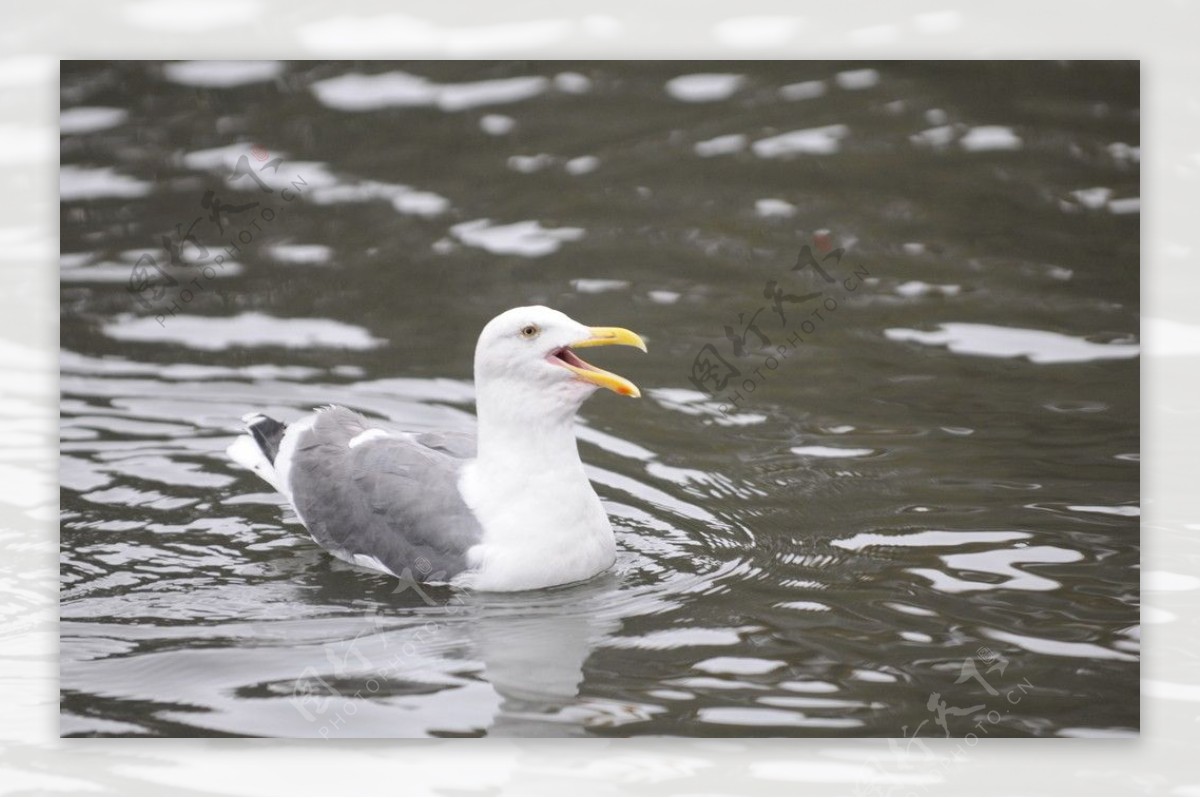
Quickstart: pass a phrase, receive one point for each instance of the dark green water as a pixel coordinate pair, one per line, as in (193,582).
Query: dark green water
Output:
(922,519)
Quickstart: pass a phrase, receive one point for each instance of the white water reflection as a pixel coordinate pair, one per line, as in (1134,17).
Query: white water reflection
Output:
(721,145)
(1124,509)
(1058,648)
(774,207)
(935,137)
(405,199)
(918,288)
(829,451)
(355,92)
(216,333)
(222,74)
(989,340)
(80,267)
(739,666)
(804,90)
(1002,563)
(103,182)
(865,540)
(694,403)
(301,254)
(857,79)
(528,239)
(704,87)
(586,286)
(497,124)
(987,138)
(811,141)
(287,174)
(87,119)
(756,716)
(310,180)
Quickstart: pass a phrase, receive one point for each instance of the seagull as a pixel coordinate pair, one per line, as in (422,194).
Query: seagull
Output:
(508,508)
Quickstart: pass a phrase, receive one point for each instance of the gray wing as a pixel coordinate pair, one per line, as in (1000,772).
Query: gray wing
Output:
(394,498)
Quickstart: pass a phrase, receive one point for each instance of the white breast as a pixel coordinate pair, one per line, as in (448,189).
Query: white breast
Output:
(540,529)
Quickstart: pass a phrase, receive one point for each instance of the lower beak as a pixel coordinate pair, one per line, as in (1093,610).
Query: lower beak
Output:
(607,336)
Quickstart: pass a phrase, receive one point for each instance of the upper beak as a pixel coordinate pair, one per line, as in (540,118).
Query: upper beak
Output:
(607,336)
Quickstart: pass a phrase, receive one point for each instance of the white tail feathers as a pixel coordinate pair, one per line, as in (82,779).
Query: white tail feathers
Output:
(245,452)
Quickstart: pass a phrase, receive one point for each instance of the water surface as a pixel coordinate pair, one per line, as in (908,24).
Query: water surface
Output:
(922,519)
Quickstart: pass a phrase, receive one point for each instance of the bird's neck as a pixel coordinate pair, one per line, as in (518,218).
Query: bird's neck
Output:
(543,523)
(514,435)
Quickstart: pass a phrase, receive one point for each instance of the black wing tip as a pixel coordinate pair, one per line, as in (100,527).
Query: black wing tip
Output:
(267,432)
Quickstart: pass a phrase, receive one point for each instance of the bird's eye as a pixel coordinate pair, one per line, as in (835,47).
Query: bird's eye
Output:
(529,331)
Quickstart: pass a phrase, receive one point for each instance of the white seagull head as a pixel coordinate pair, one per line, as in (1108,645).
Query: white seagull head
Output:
(525,358)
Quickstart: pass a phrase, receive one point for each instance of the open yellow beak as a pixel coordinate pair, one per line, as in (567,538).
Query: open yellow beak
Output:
(606,336)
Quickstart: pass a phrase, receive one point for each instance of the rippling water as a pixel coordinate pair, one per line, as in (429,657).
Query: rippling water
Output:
(923,520)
